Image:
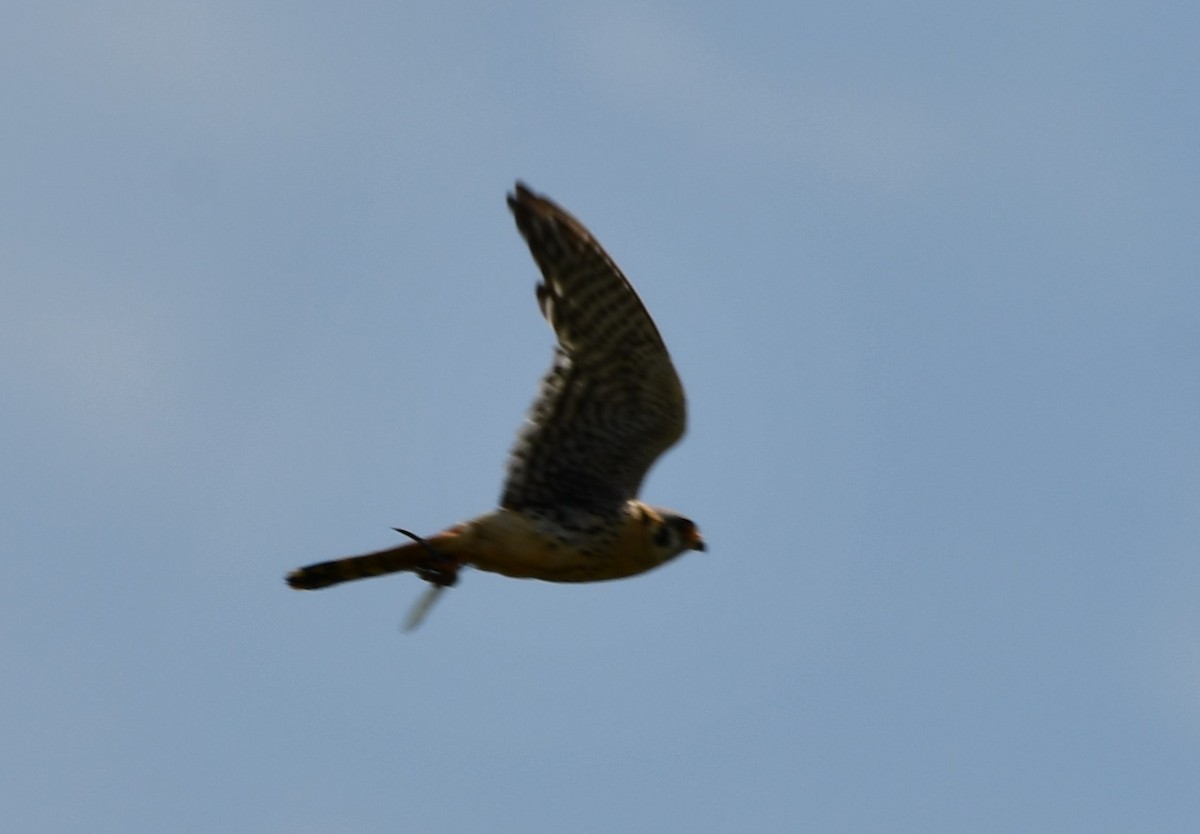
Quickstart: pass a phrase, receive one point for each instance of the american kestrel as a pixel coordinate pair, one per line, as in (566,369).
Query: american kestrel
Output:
(609,406)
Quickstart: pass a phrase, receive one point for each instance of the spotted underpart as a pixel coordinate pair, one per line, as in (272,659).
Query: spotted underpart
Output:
(611,402)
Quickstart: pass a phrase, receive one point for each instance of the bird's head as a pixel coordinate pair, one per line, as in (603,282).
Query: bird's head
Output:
(668,533)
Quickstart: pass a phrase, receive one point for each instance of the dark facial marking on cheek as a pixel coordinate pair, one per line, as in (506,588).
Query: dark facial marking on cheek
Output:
(662,536)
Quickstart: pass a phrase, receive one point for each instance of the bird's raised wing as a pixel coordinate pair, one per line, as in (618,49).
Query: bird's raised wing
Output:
(611,402)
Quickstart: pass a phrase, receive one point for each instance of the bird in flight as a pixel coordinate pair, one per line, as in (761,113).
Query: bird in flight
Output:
(609,406)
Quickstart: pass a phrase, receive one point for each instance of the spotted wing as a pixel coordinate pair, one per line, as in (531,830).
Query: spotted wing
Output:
(611,402)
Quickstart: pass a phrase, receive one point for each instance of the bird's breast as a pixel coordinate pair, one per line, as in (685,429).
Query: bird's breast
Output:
(529,547)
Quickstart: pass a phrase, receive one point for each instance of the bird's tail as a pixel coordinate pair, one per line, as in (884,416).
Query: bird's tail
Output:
(426,558)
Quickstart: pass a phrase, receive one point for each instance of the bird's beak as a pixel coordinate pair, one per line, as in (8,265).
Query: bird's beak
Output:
(697,542)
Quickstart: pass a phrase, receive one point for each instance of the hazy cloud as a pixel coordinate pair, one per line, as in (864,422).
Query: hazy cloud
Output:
(649,61)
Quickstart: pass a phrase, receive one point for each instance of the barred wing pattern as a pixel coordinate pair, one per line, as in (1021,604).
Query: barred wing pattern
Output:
(611,402)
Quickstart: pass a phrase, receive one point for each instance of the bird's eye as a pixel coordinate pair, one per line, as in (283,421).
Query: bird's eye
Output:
(663,535)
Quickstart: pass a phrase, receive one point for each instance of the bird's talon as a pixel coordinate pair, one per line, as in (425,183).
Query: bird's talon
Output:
(442,573)
(439,569)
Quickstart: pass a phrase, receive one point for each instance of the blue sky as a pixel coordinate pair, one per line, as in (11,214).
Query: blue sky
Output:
(928,272)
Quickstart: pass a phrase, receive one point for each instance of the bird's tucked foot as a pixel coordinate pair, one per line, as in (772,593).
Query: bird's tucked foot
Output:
(436,568)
